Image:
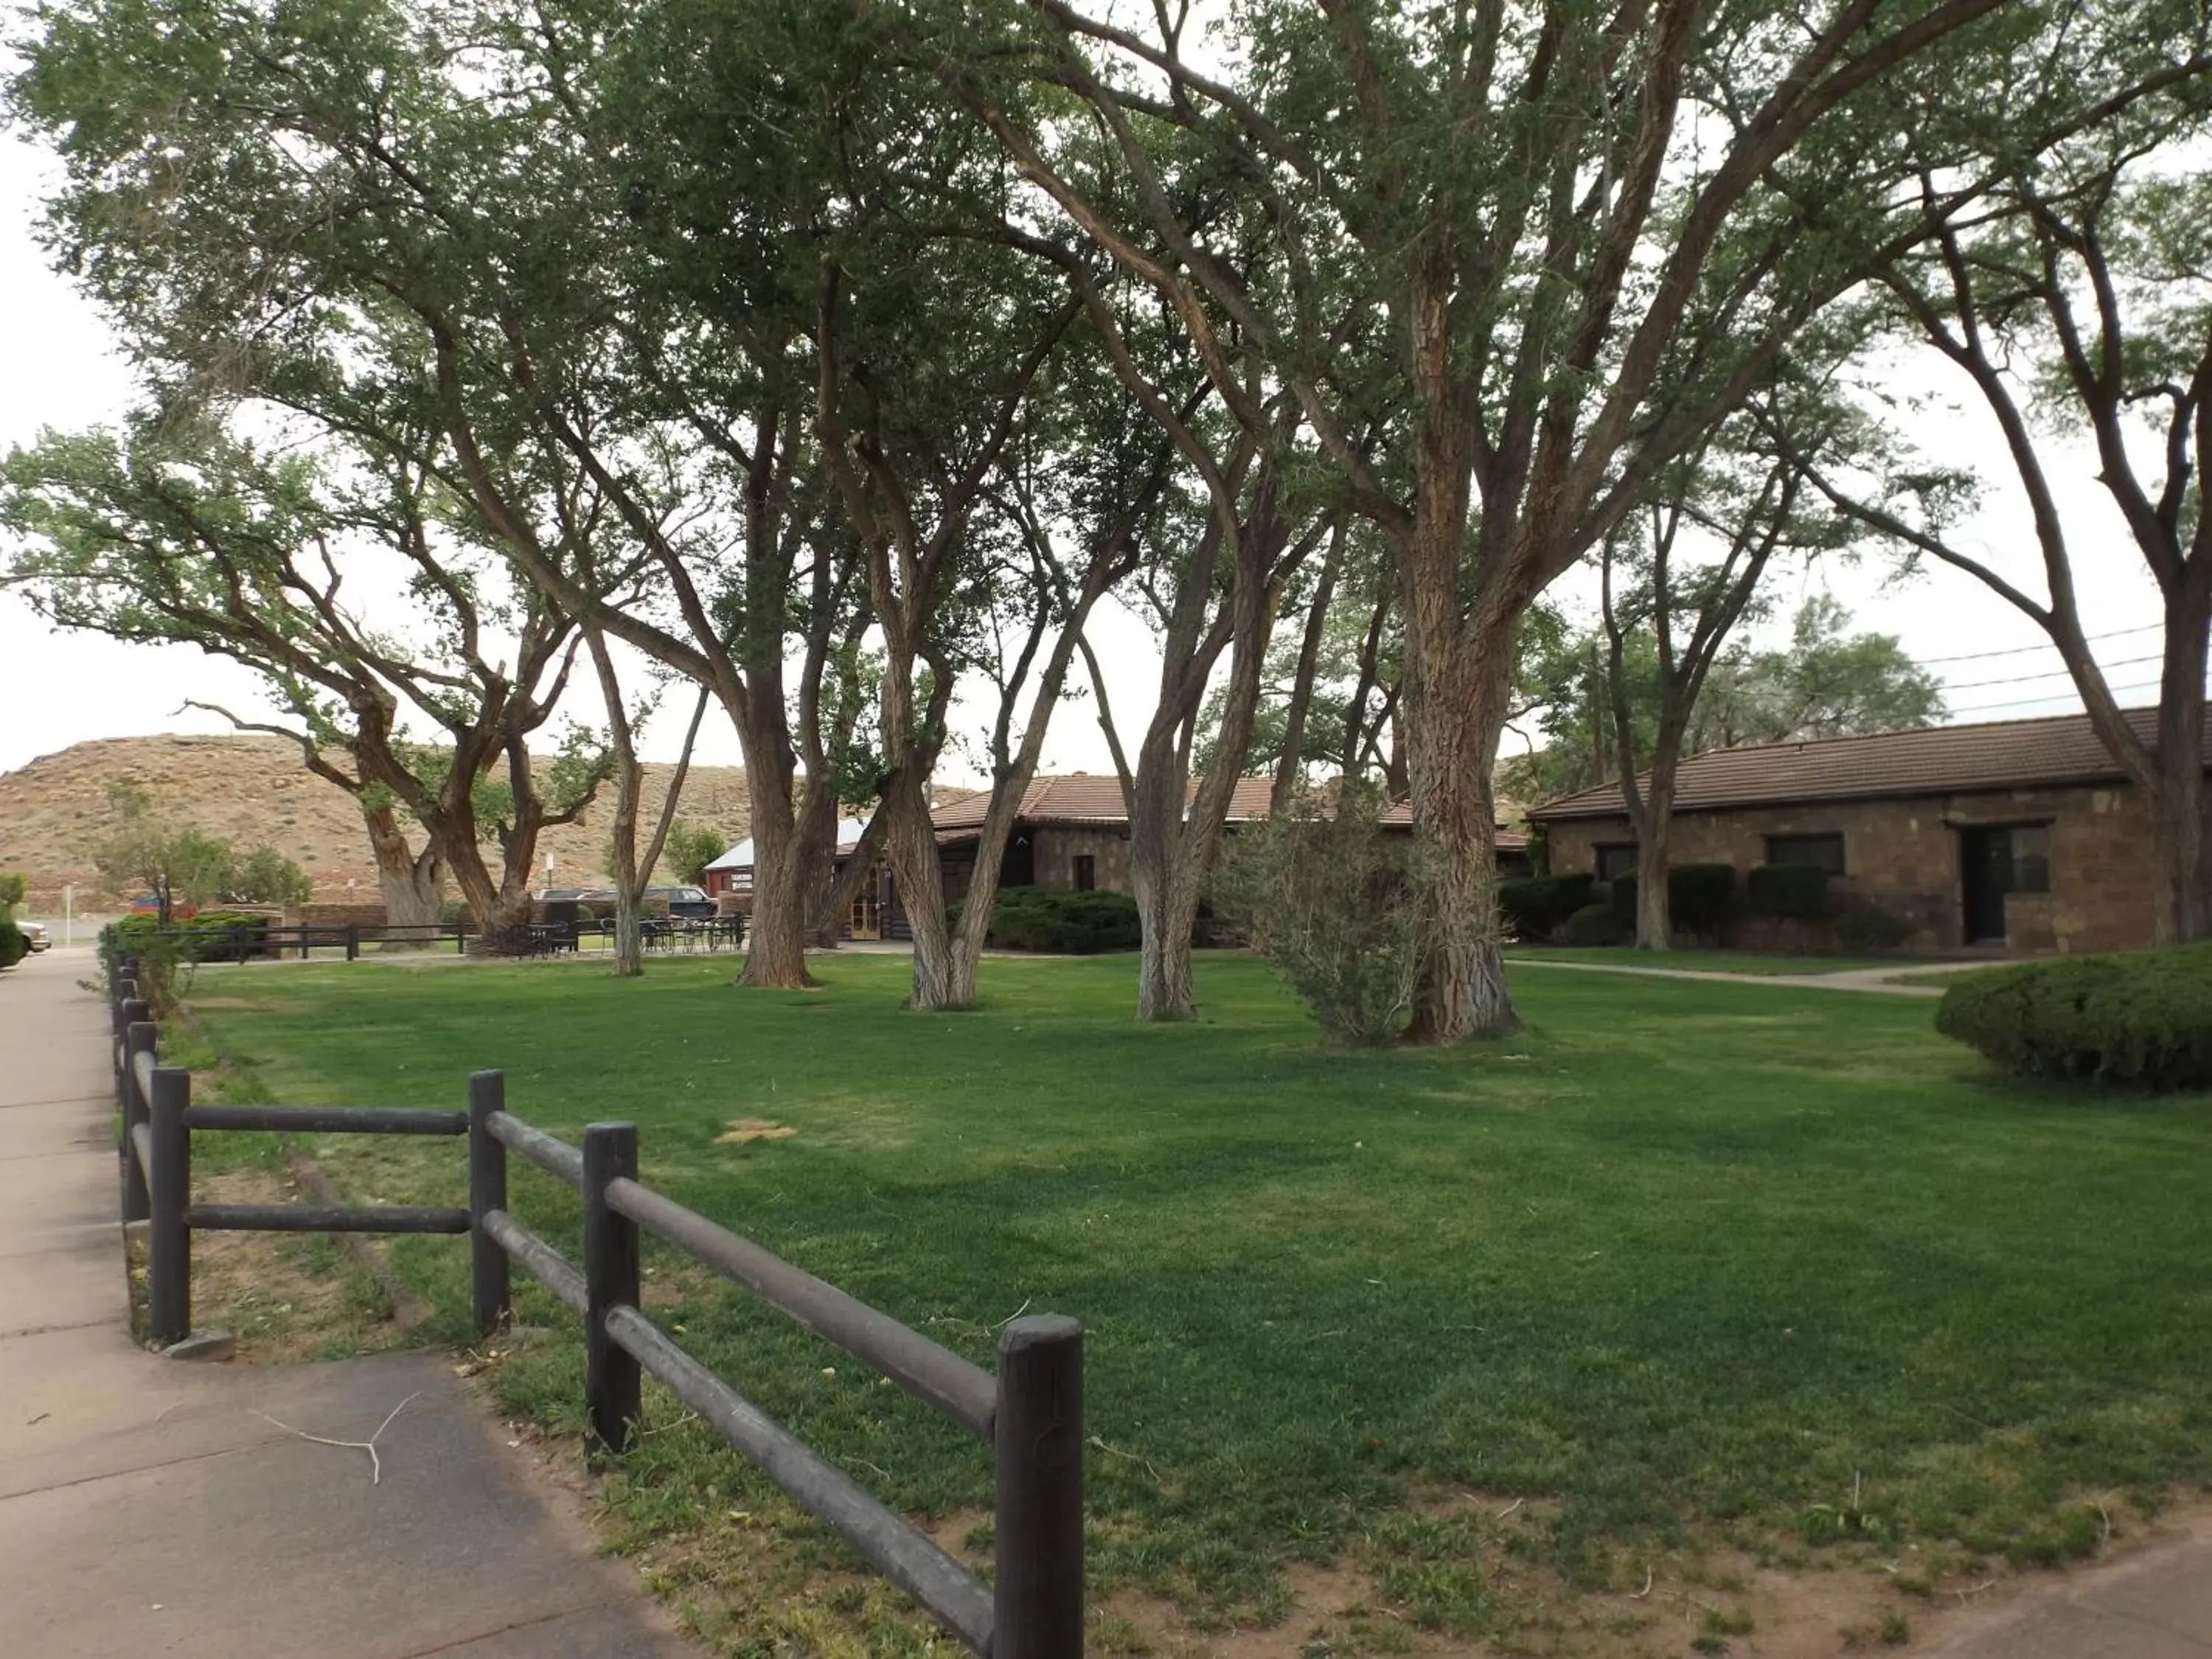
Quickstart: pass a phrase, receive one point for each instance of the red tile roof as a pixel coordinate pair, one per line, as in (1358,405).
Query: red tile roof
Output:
(1935,760)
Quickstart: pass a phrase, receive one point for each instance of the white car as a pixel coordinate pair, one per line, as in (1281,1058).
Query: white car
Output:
(34,934)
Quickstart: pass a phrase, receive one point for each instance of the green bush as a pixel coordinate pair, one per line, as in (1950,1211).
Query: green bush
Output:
(1535,906)
(1862,927)
(210,936)
(12,947)
(1790,892)
(1335,903)
(1700,898)
(2141,1018)
(1594,924)
(1062,924)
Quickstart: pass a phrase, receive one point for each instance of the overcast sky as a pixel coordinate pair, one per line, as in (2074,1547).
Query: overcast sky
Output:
(59,689)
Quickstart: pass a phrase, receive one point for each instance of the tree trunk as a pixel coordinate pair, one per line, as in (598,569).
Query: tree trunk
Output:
(411,884)
(1456,695)
(1655,928)
(1167,910)
(629,934)
(2181,844)
(775,953)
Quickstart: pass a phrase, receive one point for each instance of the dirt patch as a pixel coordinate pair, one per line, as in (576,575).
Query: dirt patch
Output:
(746,1130)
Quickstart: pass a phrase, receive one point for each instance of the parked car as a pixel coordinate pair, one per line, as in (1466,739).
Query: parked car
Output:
(34,934)
(692,902)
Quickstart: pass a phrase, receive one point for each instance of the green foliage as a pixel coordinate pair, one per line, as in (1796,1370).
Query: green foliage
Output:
(1594,924)
(1828,683)
(12,887)
(265,876)
(690,848)
(1535,906)
(1862,927)
(1062,924)
(1787,892)
(210,936)
(12,943)
(2142,1018)
(1336,904)
(1701,898)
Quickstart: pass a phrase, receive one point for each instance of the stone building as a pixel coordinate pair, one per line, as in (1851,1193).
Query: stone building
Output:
(1071,834)
(2019,836)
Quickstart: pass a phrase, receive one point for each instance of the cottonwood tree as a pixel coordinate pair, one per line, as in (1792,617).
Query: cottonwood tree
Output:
(1548,204)
(629,863)
(515,266)
(2078,301)
(178,532)
(1680,576)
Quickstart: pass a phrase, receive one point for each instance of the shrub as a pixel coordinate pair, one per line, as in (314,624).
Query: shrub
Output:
(1535,906)
(1862,927)
(1594,924)
(1700,898)
(11,942)
(209,936)
(2140,1018)
(1334,903)
(1791,892)
(1062,924)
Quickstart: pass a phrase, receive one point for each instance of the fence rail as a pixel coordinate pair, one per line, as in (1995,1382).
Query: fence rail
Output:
(1028,1413)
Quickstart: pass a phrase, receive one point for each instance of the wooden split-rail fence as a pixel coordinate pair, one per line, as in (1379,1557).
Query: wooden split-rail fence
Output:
(1029,1415)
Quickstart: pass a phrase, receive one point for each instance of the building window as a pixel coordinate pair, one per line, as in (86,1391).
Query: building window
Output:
(1821,852)
(1615,857)
(2031,859)
(1086,872)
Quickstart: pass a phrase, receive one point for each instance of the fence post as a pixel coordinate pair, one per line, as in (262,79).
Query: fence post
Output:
(140,1035)
(353,941)
(169,1184)
(612,1388)
(487,1269)
(125,989)
(1038,1521)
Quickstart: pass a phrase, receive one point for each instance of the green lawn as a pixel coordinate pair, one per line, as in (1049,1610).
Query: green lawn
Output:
(1686,1260)
(1762,963)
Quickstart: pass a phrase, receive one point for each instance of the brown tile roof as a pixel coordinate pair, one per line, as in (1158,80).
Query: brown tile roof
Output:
(1094,799)
(1935,760)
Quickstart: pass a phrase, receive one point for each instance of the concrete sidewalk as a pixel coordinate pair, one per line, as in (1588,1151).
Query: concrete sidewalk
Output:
(150,1506)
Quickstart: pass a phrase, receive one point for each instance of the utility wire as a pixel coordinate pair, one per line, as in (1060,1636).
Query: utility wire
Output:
(2022,650)
(2026,702)
(2054,673)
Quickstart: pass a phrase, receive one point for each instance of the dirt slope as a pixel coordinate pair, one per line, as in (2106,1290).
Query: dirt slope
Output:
(249,790)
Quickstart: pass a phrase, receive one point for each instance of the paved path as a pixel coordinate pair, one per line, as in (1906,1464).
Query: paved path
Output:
(2153,1605)
(1878,981)
(148,1507)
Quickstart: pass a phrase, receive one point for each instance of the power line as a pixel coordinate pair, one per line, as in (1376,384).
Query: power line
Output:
(2024,702)
(2055,674)
(2022,650)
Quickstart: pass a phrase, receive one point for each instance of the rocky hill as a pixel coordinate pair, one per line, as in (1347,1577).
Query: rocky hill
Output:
(249,790)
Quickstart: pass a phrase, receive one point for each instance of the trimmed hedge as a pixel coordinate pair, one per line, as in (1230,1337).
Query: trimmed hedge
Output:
(1594,924)
(1537,907)
(2141,1018)
(1700,898)
(1862,927)
(1790,892)
(1066,924)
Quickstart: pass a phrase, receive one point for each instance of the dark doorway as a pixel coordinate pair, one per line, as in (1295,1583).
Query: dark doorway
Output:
(1018,867)
(1985,860)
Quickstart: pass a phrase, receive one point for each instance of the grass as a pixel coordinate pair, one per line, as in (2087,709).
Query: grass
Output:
(1760,964)
(1684,1261)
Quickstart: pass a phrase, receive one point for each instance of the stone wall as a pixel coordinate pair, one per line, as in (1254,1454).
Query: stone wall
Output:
(1057,847)
(1902,856)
